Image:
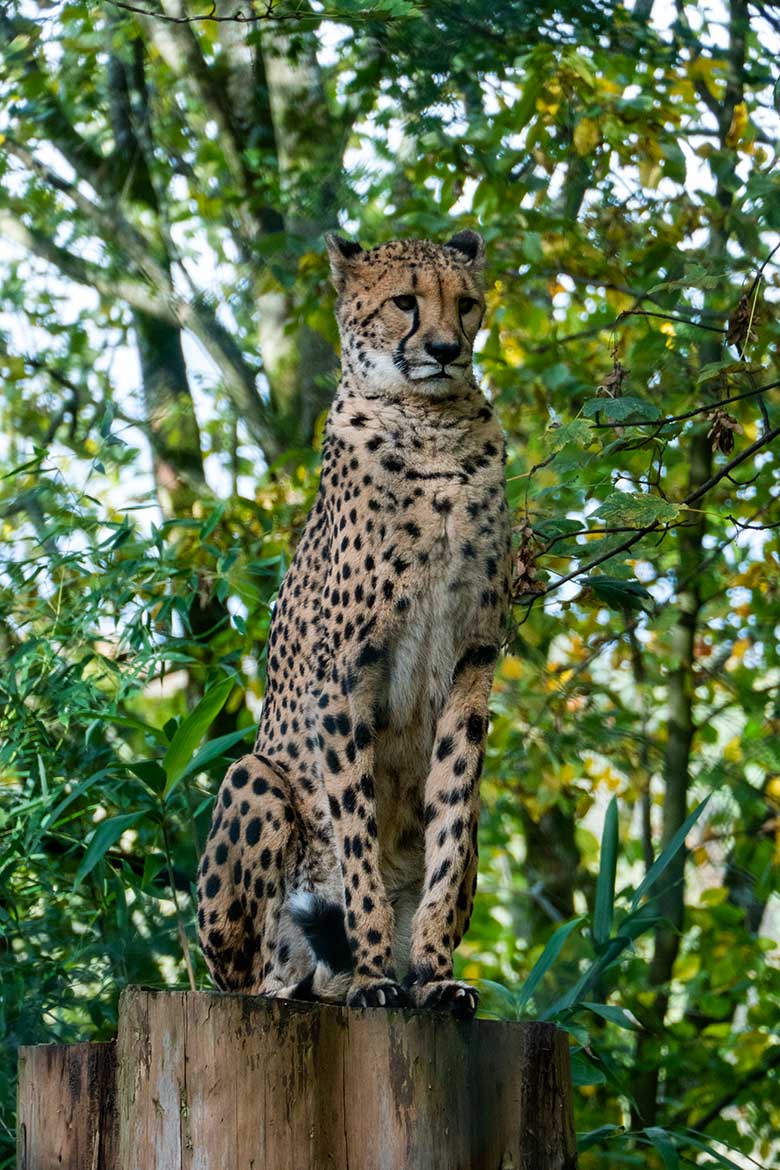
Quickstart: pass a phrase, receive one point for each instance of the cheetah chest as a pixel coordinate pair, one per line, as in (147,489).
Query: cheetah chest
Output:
(424,650)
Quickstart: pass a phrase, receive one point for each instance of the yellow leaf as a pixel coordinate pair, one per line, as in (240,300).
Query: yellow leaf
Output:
(739,124)
(711,71)
(732,752)
(649,173)
(512,667)
(714,897)
(544,107)
(308,261)
(686,967)
(618,300)
(586,136)
(514,353)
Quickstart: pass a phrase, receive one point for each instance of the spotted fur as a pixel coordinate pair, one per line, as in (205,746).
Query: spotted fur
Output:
(342,857)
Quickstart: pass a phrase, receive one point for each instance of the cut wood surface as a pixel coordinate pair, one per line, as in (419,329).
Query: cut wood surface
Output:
(228,1082)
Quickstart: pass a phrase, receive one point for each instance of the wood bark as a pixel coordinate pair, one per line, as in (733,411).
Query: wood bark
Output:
(66,1118)
(228,1082)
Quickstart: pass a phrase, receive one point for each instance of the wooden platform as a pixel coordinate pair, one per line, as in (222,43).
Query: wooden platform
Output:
(201,1081)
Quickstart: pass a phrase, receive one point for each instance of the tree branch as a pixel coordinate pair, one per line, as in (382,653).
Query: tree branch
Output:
(657,526)
(201,321)
(729,1097)
(673,418)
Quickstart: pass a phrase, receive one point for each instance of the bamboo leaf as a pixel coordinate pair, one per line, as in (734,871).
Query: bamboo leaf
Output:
(615,1015)
(662,1142)
(605,884)
(546,959)
(595,1137)
(215,748)
(191,731)
(106,834)
(665,857)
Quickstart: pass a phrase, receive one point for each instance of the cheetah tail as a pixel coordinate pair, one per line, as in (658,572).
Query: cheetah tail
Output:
(322,923)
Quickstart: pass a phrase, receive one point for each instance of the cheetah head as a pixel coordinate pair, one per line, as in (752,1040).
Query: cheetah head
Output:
(408,312)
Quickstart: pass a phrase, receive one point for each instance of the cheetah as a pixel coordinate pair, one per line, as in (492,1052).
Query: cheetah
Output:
(341,863)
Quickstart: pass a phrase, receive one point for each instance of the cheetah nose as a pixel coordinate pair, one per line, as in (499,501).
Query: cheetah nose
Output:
(443,351)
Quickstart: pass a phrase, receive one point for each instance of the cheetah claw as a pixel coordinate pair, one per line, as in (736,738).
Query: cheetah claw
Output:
(384,993)
(458,999)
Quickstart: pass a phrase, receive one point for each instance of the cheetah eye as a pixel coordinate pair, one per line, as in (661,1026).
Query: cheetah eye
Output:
(466,304)
(406,302)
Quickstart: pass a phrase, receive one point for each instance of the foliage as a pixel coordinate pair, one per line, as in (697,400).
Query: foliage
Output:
(168,350)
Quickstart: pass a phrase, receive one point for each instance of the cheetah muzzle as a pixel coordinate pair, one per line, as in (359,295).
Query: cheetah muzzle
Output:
(341,863)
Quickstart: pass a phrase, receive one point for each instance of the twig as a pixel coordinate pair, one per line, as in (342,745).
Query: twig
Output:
(669,317)
(656,526)
(241,17)
(729,1097)
(672,418)
(237,17)
(735,462)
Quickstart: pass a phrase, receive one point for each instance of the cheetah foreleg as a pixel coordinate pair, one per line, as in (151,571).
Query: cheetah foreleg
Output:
(345,707)
(451,818)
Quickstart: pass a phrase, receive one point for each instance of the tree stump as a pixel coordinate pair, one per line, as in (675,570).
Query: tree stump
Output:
(228,1082)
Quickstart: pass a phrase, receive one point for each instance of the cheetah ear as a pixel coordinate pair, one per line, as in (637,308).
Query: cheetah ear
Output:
(341,253)
(470,245)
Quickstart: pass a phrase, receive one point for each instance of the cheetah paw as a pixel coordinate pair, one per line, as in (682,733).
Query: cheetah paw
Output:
(448,995)
(382,993)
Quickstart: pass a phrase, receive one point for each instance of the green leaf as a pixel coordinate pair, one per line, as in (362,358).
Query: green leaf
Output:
(150,773)
(613,1014)
(191,731)
(612,951)
(666,855)
(213,520)
(546,959)
(585,1072)
(692,1138)
(531,246)
(129,721)
(637,509)
(555,377)
(595,1137)
(728,366)
(663,1143)
(577,431)
(499,1002)
(618,594)
(621,410)
(605,884)
(552,527)
(215,748)
(106,834)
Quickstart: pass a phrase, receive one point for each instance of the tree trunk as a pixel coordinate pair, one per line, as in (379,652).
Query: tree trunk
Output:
(228,1082)
(670,890)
